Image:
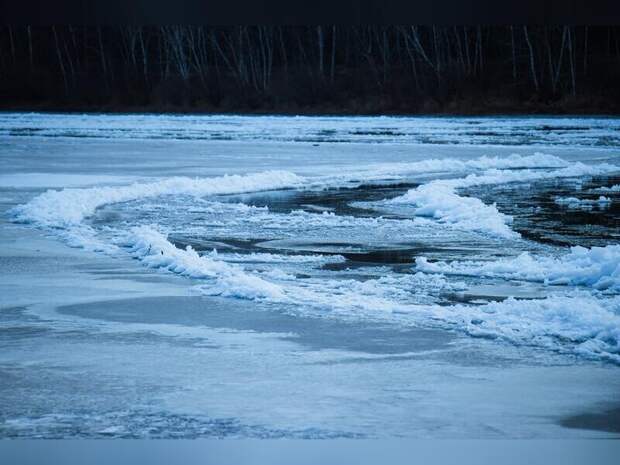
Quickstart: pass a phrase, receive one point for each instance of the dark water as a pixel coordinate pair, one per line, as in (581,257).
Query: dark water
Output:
(540,218)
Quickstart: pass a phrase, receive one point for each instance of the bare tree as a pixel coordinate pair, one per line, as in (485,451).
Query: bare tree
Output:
(60,60)
(532,63)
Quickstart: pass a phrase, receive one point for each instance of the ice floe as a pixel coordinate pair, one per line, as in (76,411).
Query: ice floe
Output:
(580,323)
(439,199)
(597,267)
(574,203)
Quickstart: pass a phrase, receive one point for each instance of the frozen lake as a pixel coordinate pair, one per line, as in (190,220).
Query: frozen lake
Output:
(309,277)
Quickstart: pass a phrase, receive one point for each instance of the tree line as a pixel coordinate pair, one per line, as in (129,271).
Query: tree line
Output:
(362,69)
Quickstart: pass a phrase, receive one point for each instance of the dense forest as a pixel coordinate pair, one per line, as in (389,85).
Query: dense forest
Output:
(312,69)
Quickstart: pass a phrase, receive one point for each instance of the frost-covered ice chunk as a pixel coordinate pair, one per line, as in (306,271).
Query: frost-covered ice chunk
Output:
(580,323)
(439,199)
(598,267)
(614,188)
(574,203)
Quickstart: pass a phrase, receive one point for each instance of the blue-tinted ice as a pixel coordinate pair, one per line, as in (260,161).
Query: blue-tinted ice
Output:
(216,276)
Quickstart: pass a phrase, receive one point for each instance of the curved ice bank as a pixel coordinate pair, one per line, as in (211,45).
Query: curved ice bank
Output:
(439,199)
(154,250)
(69,207)
(598,267)
(580,323)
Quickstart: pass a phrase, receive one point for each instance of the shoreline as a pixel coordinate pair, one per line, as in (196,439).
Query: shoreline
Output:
(456,110)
